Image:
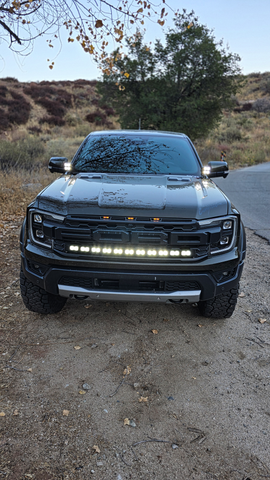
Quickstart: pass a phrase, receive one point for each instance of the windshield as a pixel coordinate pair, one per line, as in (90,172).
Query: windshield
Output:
(142,154)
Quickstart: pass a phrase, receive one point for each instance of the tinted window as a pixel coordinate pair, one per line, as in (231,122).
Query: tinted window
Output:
(143,154)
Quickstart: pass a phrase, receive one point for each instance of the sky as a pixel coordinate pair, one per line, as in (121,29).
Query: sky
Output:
(242,24)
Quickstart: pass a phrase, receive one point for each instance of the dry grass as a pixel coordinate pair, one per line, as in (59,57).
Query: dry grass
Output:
(19,187)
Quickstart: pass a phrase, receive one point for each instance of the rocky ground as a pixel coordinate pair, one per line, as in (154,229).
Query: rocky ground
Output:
(134,391)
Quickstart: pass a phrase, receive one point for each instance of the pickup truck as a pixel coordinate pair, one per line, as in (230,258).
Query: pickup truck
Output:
(135,216)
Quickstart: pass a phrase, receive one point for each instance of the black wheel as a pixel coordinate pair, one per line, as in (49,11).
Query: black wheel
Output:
(38,300)
(221,306)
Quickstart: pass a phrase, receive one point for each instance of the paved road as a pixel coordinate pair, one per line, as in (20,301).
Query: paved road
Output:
(249,190)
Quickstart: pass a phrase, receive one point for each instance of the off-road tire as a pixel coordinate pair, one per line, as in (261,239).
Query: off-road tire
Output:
(221,306)
(37,299)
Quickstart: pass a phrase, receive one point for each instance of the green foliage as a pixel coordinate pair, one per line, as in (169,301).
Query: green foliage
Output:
(181,86)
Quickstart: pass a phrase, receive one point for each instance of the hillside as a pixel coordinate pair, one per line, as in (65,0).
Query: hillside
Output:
(39,120)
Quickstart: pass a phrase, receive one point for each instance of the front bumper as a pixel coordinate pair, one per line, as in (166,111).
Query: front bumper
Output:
(149,283)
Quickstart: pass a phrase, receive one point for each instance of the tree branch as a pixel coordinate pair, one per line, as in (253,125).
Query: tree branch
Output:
(12,34)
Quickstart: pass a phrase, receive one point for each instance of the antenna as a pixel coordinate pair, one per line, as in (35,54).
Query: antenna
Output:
(139,124)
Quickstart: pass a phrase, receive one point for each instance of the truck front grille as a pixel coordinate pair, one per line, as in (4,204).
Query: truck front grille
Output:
(120,233)
(130,285)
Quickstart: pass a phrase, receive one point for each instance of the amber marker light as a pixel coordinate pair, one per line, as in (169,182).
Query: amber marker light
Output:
(106,217)
(131,218)
(156,219)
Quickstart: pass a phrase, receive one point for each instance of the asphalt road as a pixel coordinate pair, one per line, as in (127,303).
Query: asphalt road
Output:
(249,190)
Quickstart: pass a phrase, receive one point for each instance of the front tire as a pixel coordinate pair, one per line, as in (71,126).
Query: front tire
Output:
(37,300)
(221,306)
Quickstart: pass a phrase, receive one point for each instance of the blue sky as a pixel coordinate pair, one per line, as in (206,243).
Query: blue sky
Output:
(242,24)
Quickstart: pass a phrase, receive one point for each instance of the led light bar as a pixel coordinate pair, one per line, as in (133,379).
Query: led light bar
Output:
(130,252)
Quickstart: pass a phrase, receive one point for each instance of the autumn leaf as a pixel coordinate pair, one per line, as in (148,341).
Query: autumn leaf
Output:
(126,74)
(77,347)
(99,24)
(96,448)
(82,392)
(161,22)
(155,332)
(126,421)
(16,412)
(143,399)
(2,414)
(262,320)
(127,370)
(65,413)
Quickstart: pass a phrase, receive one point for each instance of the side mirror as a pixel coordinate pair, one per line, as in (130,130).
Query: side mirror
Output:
(59,164)
(216,169)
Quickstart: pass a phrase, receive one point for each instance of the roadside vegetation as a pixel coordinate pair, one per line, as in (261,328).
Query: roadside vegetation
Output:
(45,119)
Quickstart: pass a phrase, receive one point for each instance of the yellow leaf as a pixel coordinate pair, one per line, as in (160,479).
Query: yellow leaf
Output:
(126,421)
(126,74)
(262,320)
(82,392)
(143,399)
(155,332)
(16,412)
(29,369)
(77,347)
(96,448)
(2,414)
(127,370)
(161,22)
(99,24)
(65,413)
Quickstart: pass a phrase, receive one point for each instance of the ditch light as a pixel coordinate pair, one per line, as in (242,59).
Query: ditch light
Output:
(129,252)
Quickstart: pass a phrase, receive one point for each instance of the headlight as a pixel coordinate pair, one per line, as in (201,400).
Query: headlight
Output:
(40,227)
(222,233)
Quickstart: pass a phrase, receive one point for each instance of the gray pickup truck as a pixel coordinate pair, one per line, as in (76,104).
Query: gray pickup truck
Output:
(134,217)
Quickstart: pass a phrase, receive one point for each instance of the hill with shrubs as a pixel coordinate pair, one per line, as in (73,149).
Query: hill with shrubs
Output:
(40,120)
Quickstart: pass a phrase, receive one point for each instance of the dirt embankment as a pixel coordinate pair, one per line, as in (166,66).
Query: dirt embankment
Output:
(134,391)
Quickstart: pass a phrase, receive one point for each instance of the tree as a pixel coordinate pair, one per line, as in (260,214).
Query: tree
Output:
(90,22)
(181,86)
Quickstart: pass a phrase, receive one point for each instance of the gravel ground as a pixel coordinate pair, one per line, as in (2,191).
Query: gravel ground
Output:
(134,391)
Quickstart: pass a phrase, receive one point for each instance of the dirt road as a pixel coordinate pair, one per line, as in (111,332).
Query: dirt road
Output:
(135,391)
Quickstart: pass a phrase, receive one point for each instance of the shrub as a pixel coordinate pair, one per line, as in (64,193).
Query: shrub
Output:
(108,110)
(10,79)
(72,119)
(24,153)
(3,91)
(17,111)
(35,129)
(3,120)
(53,107)
(97,117)
(55,100)
(53,120)
(262,105)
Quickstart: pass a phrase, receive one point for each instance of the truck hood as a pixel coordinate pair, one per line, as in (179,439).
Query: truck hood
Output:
(136,195)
